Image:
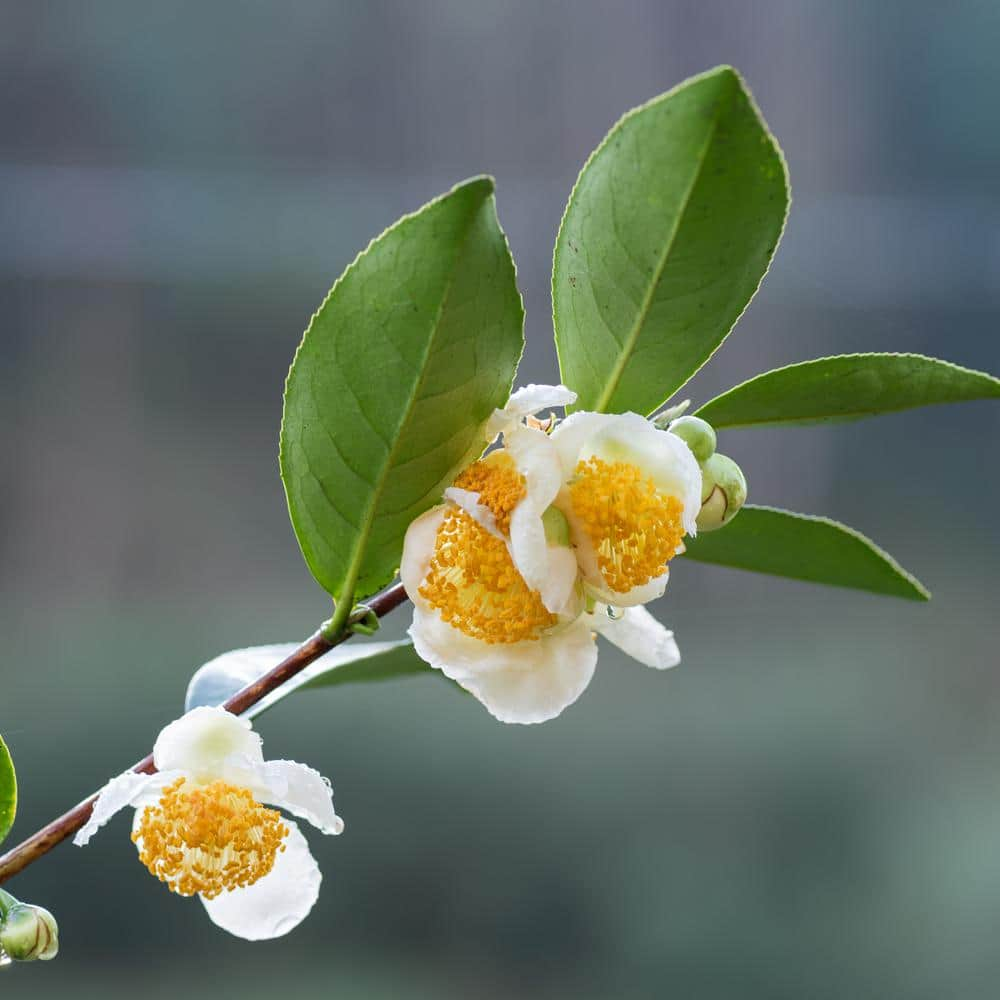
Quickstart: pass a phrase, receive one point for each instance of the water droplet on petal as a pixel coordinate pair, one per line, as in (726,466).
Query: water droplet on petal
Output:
(613,613)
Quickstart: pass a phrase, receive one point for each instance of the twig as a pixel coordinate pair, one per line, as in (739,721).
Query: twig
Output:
(18,858)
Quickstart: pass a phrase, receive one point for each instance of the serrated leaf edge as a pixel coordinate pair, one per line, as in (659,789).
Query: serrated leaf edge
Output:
(921,593)
(859,414)
(690,81)
(346,596)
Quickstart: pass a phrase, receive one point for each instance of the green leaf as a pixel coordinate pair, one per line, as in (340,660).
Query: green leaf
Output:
(846,387)
(802,547)
(666,236)
(411,351)
(350,663)
(8,791)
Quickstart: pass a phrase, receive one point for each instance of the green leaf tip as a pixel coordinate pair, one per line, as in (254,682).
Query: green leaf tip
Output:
(413,348)
(667,234)
(8,791)
(805,547)
(846,387)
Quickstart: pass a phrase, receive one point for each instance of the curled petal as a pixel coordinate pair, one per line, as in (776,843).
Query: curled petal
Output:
(468,500)
(299,789)
(525,401)
(201,741)
(418,549)
(639,634)
(277,903)
(128,789)
(558,591)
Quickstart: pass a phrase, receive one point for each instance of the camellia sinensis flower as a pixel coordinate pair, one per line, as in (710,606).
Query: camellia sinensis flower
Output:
(631,494)
(202,823)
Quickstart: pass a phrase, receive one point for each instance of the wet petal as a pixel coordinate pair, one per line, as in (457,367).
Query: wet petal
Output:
(299,789)
(639,634)
(128,789)
(276,904)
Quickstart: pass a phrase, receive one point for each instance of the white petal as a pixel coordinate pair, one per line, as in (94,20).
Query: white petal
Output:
(639,634)
(532,398)
(529,681)
(528,547)
(536,458)
(642,594)
(200,741)
(559,587)
(468,501)
(571,435)
(525,401)
(299,789)
(128,789)
(276,904)
(542,678)
(418,548)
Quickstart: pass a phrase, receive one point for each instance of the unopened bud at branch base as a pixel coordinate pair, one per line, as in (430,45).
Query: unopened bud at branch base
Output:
(28,933)
(723,492)
(697,434)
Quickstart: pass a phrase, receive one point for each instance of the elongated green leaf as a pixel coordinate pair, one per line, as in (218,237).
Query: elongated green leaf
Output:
(803,547)
(414,347)
(846,387)
(8,791)
(666,236)
(350,663)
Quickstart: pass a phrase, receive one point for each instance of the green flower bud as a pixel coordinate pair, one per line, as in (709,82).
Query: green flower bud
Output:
(556,526)
(723,492)
(697,434)
(29,932)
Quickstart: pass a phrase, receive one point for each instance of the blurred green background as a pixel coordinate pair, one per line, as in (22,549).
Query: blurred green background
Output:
(809,806)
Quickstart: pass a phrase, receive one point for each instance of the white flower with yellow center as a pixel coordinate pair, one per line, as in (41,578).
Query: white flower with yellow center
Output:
(494,581)
(631,494)
(201,825)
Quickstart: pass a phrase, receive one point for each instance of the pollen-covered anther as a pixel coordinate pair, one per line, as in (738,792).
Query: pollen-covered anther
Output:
(634,528)
(209,839)
(499,485)
(474,586)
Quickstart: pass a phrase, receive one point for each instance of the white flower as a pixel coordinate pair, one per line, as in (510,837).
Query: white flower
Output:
(200,825)
(631,493)
(476,620)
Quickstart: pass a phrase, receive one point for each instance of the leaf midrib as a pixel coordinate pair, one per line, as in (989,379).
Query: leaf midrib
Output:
(350,577)
(631,340)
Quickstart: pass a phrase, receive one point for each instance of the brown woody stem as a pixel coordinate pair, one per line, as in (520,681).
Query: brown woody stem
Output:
(18,858)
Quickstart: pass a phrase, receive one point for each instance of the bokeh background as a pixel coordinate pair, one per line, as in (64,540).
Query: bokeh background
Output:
(808,807)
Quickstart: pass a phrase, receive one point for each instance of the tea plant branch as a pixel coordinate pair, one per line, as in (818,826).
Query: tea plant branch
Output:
(322,641)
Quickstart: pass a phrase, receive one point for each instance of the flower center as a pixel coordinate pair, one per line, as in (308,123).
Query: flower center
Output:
(499,485)
(635,529)
(209,839)
(473,584)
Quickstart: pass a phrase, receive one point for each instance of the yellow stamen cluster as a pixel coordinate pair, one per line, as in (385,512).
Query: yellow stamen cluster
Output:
(499,485)
(634,528)
(209,839)
(475,587)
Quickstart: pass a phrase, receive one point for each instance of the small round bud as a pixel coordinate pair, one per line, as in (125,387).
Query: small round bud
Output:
(29,932)
(696,434)
(723,492)
(556,527)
